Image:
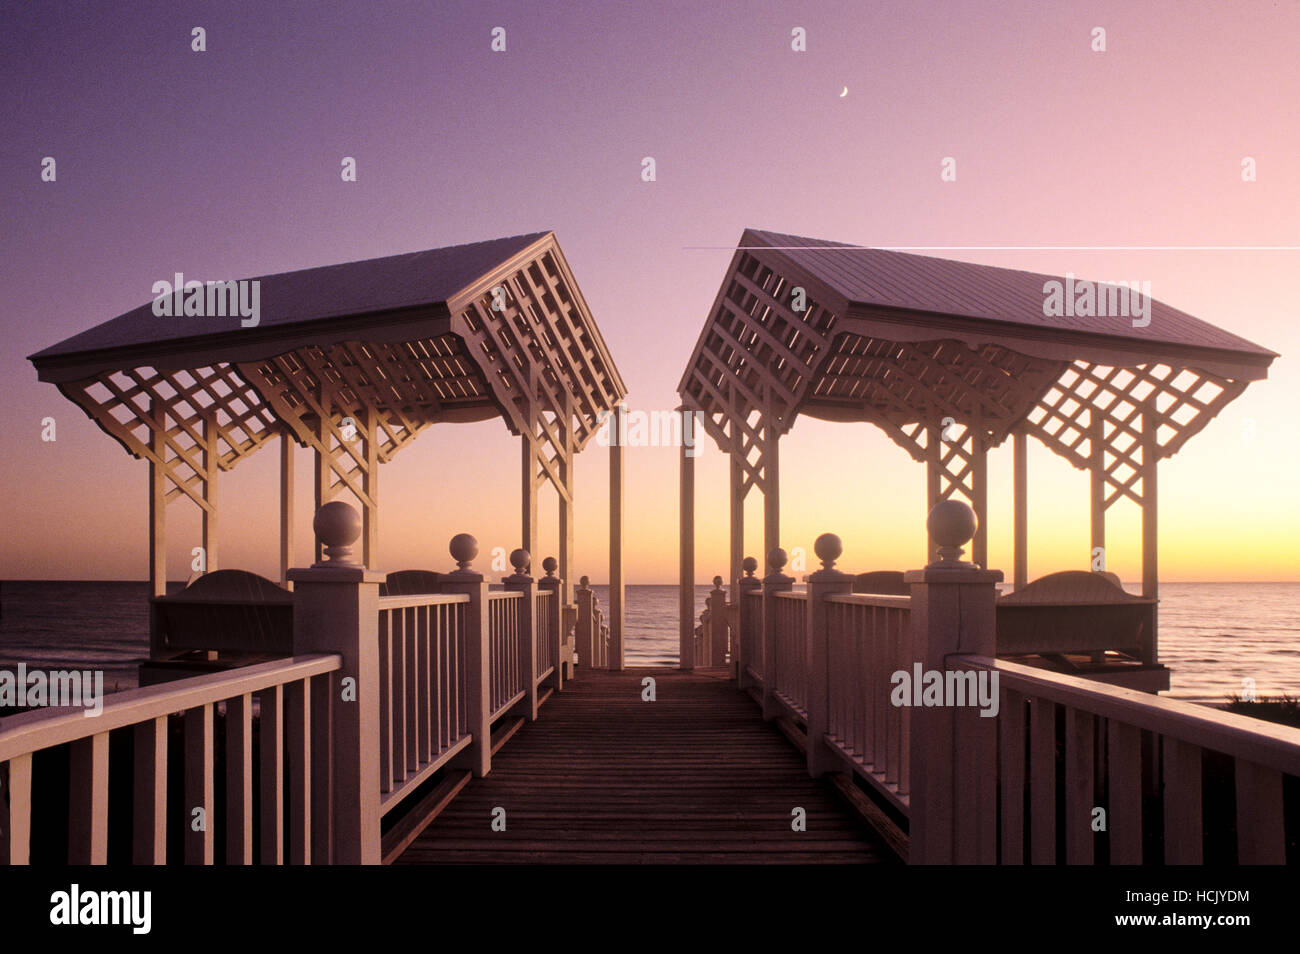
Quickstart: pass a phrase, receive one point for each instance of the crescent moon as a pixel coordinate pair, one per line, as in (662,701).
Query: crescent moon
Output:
(845,93)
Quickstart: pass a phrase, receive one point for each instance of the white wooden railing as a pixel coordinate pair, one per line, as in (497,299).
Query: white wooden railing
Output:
(381,694)
(508,671)
(292,699)
(869,639)
(1141,778)
(424,719)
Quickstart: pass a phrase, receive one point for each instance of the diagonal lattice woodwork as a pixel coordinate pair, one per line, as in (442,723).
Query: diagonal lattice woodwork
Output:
(194,413)
(527,329)
(755,361)
(905,386)
(1177,403)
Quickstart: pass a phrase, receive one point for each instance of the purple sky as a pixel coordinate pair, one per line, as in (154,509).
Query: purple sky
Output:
(226,164)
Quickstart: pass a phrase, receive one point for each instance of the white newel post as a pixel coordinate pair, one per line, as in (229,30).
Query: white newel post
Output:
(555,607)
(749,621)
(773,583)
(953,752)
(477,757)
(584,634)
(821,584)
(521,582)
(336,610)
(717,631)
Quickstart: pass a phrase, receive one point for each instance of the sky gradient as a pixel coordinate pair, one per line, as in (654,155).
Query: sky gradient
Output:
(226,164)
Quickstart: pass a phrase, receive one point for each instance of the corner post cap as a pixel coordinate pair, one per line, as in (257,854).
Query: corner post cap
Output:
(584,582)
(717,582)
(749,565)
(951,524)
(777,559)
(337,526)
(519,559)
(463,548)
(828,548)
(549,565)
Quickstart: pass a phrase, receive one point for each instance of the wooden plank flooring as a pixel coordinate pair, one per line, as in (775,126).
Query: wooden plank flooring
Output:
(605,778)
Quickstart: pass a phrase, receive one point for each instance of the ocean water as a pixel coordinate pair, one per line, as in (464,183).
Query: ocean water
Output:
(1212,635)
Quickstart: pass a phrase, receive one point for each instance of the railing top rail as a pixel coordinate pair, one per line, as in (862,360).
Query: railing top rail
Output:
(505,594)
(423,599)
(791,594)
(1265,743)
(545,594)
(871,599)
(756,592)
(43,728)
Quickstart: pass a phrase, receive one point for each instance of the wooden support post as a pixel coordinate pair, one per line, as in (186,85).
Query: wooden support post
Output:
(953,755)
(617,613)
(775,582)
(932,482)
(771,486)
(199,816)
(584,636)
(686,531)
(528,492)
(821,584)
(716,632)
(980,496)
(1020,492)
(158,501)
(1150,510)
(1097,486)
(336,610)
(749,644)
(555,608)
(286,505)
(1151,522)
(477,758)
(521,582)
(323,474)
(370,480)
(737,520)
(209,512)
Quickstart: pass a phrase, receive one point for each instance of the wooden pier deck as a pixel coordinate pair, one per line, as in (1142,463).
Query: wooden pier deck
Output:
(603,777)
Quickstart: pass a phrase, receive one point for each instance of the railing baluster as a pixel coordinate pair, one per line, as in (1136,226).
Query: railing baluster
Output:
(1182,801)
(1124,793)
(297,717)
(239,780)
(270,737)
(1011,755)
(149,834)
(18,818)
(1042,781)
(88,801)
(386,702)
(199,844)
(1261,834)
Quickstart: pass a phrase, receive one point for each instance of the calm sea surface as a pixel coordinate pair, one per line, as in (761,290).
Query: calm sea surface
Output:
(1212,635)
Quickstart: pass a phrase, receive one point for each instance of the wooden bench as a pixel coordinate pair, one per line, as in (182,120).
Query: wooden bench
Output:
(1076,611)
(222,620)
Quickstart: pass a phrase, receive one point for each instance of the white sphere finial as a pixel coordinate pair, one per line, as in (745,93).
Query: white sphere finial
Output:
(951,524)
(828,548)
(337,526)
(463,548)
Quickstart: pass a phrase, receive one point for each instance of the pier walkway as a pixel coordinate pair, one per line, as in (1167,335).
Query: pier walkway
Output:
(605,777)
